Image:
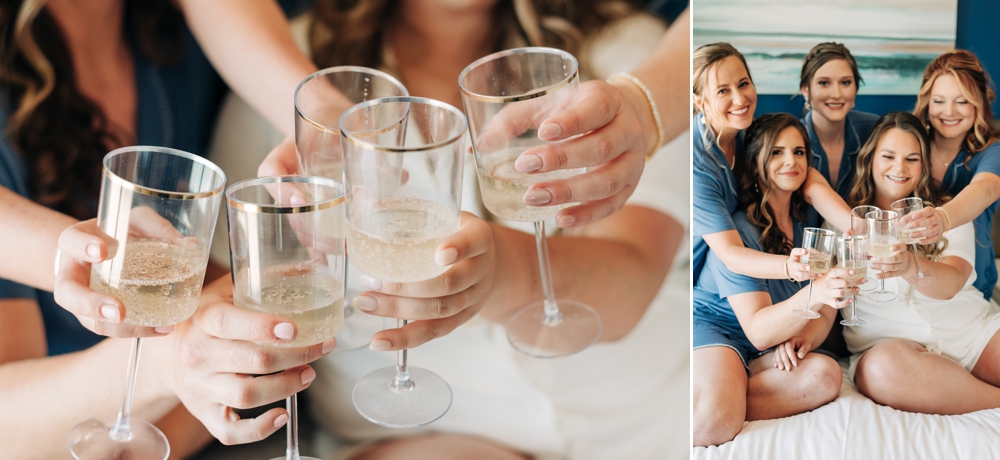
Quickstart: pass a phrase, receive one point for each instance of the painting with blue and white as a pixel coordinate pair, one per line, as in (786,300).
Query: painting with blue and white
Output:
(892,40)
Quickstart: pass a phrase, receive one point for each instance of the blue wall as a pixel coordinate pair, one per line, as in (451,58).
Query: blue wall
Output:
(978,31)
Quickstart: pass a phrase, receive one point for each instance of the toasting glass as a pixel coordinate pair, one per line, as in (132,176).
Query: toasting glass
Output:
(288,260)
(403,158)
(507,95)
(159,205)
(819,244)
(320,99)
(852,253)
(881,236)
(859,226)
(904,207)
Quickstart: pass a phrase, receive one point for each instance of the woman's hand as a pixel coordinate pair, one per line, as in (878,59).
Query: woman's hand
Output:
(281,161)
(798,270)
(929,220)
(834,289)
(898,264)
(788,354)
(222,361)
(441,304)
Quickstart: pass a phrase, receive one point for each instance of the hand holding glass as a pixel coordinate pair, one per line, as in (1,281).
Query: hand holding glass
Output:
(819,244)
(859,227)
(904,207)
(852,254)
(881,236)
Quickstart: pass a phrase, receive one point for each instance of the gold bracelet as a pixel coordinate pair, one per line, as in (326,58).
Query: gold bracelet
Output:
(650,102)
(948,217)
(786,272)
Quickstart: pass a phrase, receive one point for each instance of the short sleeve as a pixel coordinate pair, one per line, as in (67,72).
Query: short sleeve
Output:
(989,160)
(962,243)
(709,211)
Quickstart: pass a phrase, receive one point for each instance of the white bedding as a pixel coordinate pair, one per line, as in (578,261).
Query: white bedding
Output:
(854,427)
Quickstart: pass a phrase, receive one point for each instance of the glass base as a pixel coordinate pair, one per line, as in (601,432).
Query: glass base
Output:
(854,322)
(287,457)
(806,314)
(882,296)
(925,280)
(868,285)
(578,328)
(359,327)
(91,440)
(427,400)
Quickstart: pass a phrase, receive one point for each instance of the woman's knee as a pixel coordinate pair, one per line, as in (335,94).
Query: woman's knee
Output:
(818,378)
(883,368)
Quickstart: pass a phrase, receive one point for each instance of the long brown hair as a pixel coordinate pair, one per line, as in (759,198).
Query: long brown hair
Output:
(975,84)
(349,32)
(863,192)
(820,55)
(754,186)
(61,134)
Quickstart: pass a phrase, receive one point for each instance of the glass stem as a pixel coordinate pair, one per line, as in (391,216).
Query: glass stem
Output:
(809,297)
(854,307)
(292,405)
(881,282)
(916,259)
(348,309)
(402,383)
(552,316)
(121,430)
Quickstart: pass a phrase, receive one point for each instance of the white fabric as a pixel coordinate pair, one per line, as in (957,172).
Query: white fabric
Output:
(853,427)
(957,328)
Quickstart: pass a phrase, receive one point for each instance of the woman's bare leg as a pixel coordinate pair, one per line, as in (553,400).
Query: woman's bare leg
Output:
(903,375)
(774,393)
(987,368)
(438,446)
(720,392)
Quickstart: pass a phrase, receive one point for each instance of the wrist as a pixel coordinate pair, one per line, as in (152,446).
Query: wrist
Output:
(636,99)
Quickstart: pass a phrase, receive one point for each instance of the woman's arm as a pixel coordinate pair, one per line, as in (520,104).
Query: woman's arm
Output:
(981,193)
(29,234)
(950,273)
(245,39)
(826,201)
(728,246)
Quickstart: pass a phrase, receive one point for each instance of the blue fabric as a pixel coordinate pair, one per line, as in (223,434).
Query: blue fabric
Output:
(858,127)
(176,108)
(714,187)
(715,322)
(955,179)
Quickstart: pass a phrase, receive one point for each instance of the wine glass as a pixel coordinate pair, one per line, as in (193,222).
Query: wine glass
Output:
(159,205)
(320,99)
(881,236)
(852,253)
(403,160)
(819,244)
(288,260)
(506,96)
(904,207)
(859,226)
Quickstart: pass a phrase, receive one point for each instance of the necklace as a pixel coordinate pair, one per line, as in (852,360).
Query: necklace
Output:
(945,163)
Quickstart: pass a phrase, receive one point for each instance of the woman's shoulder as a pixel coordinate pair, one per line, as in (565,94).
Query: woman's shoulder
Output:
(621,45)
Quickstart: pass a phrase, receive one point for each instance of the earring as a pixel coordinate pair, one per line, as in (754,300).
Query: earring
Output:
(808,106)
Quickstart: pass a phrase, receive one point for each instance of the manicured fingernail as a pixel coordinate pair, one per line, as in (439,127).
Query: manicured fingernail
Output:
(93,250)
(537,197)
(110,312)
(284,331)
(308,375)
(380,345)
(549,131)
(528,163)
(850,272)
(280,421)
(371,283)
(297,200)
(329,345)
(446,257)
(164,329)
(364,303)
(565,221)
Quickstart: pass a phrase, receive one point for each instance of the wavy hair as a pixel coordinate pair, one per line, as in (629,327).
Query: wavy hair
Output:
(754,185)
(863,192)
(61,134)
(975,84)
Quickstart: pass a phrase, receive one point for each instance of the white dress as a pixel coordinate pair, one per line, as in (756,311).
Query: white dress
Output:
(958,328)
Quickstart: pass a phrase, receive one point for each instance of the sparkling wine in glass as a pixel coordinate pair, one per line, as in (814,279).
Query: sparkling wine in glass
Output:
(159,205)
(506,96)
(881,236)
(852,253)
(320,99)
(403,159)
(904,207)
(819,244)
(288,260)
(859,226)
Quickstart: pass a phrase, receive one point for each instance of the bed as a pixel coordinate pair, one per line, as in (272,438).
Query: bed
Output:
(855,427)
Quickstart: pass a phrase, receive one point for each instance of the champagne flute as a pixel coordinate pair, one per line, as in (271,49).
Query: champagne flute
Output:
(507,95)
(403,160)
(288,260)
(859,227)
(819,244)
(320,99)
(852,253)
(881,236)
(904,207)
(160,206)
